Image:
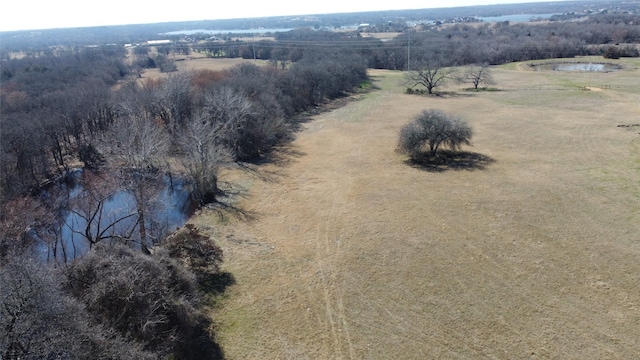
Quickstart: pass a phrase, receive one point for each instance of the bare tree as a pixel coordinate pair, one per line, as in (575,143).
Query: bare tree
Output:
(478,75)
(429,74)
(280,55)
(228,111)
(90,216)
(23,221)
(433,129)
(202,154)
(137,141)
(139,146)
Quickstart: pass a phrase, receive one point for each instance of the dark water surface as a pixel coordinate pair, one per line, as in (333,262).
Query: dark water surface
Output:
(170,209)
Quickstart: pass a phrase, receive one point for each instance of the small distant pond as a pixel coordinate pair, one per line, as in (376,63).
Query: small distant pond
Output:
(577,67)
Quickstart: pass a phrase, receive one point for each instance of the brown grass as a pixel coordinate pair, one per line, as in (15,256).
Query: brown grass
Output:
(381,36)
(341,250)
(198,62)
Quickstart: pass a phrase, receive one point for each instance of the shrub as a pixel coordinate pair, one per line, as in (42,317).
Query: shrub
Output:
(197,251)
(151,300)
(38,320)
(433,129)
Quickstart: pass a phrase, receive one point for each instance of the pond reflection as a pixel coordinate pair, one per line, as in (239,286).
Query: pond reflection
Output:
(92,215)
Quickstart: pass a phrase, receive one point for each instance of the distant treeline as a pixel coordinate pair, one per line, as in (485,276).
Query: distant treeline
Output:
(454,44)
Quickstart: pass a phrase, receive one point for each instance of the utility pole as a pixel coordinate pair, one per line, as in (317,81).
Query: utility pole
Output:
(409,51)
(253,44)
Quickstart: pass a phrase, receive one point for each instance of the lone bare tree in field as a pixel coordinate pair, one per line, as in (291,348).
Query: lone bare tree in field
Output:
(478,75)
(433,129)
(430,74)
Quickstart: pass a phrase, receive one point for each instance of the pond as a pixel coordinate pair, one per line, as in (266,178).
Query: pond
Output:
(577,67)
(171,207)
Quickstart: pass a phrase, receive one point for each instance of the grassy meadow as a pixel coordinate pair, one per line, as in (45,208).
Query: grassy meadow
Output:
(341,249)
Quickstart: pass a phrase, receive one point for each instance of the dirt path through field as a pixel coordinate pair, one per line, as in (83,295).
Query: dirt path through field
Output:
(353,254)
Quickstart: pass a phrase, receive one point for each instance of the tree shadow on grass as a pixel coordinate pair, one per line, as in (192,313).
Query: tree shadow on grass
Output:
(450,160)
(280,156)
(201,344)
(441,94)
(216,283)
(225,210)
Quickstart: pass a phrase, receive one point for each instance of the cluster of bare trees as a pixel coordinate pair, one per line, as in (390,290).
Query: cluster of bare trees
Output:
(50,108)
(124,137)
(499,43)
(431,74)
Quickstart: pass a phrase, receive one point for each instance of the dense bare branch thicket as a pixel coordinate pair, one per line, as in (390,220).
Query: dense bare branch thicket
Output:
(38,320)
(148,300)
(202,155)
(138,306)
(432,130)
(50,108)
(228,111)
(23,221)
(46,127)
(196,251)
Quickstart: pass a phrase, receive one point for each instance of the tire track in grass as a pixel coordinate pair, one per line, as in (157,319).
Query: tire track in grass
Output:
(331,232)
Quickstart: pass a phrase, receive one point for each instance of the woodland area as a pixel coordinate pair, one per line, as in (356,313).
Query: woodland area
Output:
(84,109)
(141,289)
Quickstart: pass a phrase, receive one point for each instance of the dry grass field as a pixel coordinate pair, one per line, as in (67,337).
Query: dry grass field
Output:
(381,36)
(341,250)
(199,62)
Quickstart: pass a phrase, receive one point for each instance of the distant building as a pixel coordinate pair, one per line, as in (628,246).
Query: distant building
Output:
(158,42)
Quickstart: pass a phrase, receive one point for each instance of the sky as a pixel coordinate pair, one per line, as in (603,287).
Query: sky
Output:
(47,14)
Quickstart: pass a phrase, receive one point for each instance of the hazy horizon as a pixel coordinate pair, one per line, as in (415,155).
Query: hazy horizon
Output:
(41,14)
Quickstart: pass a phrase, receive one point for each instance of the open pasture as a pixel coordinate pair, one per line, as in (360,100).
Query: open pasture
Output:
(341,250)
(199,62)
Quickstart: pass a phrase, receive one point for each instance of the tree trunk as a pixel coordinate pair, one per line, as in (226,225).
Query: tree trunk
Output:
(143,231)
(142,227)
